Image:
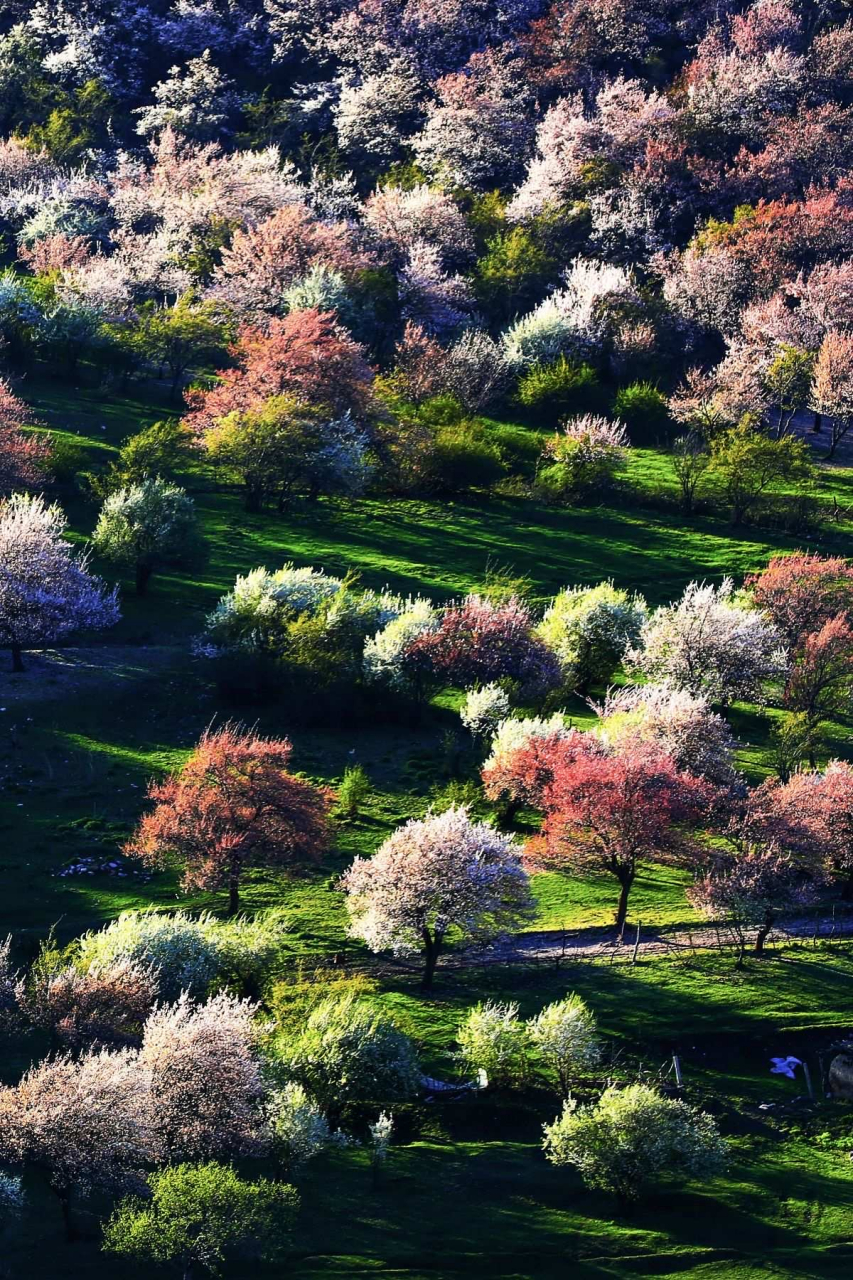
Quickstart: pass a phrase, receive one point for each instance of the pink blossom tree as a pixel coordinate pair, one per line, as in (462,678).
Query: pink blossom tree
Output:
(802,591)
(479,641)
(84,1124)
(746,893)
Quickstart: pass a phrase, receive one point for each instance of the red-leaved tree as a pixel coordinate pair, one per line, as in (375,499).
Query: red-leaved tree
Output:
(811,816)
(802,591)
(306,355)
(610,812)
(234,805)
(821,677)
(479,641)
(22,454)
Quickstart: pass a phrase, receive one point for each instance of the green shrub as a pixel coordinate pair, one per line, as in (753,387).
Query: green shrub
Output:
(197,1217)
(493,1039)
(353,791)
(348,1051)
(633,1138)
(464,458)
(644,411)
(553,390)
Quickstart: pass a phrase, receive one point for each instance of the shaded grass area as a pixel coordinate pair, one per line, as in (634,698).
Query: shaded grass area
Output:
(450,1204)
(79,739)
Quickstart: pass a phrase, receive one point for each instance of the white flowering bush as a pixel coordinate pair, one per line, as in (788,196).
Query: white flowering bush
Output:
(186,953)
(633,1138)
(484,709)
(343,462)
(493,1040)
(573,321)
(589,628)
(299,1128)
(321,287)
(145,526)
(261,602)
(683,723)
(511,735)
(381,1133)
(385,652)
(540,337)
(710,642)
(583,458)
(178,947)
(349,1051)
(565,1039)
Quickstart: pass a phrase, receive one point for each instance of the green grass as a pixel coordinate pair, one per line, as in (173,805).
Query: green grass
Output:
(81,735)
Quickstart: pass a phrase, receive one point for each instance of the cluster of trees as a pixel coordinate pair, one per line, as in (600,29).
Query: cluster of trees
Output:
(551,213)
(149,1104)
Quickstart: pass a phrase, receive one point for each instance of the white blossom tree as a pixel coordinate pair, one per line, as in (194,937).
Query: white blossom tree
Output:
(710,643)
(46,591)
(146,526)
(197,101)
(432,876)
(84,1124)
(205,1078)
(565,1037)
(681,722)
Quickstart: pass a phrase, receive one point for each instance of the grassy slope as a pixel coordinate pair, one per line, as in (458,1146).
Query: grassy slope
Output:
(76,748)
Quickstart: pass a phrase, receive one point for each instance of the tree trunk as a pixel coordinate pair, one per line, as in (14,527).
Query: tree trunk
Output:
(625,880)
(188,1271)
(253,500)
(432,946)
(68,1221)
(234,889)
(143,577)
(762,935)
(847,888)
(17,657)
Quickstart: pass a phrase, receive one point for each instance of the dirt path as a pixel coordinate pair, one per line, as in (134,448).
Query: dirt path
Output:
(555,944)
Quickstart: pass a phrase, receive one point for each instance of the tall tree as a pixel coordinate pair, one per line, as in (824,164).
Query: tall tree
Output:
(46,591)
(440,874)
(233,805)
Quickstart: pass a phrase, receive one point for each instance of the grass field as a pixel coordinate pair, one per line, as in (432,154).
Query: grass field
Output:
(82,731)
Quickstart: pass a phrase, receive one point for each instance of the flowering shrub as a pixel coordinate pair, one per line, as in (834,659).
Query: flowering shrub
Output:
(103,1004)
(349,1051)
(682,723)
(564,1036)
(493,1039)
(299,1128)
(589,628)
(205,1078)
(179,949)
(710,642)
(479,641)
(632,1138)
(523,754)
(583,458)
(484,709)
